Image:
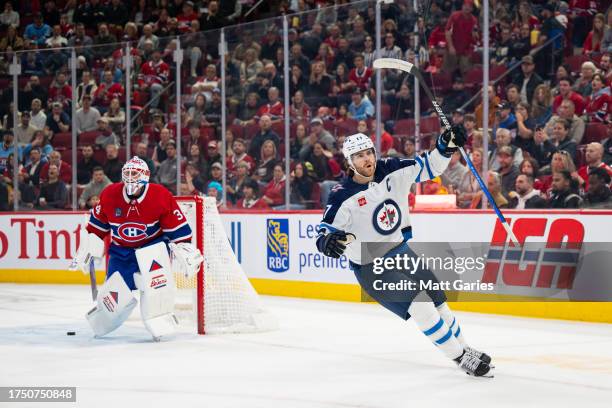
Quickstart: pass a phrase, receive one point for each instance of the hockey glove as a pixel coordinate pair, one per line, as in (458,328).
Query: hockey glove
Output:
(186,258)
(91,247)
(334,244)
(451,140)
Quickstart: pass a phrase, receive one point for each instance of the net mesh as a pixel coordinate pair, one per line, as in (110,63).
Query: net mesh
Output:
(230,301)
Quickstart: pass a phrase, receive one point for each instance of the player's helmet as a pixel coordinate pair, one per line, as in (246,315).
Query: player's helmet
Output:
(355,144)
(135,174)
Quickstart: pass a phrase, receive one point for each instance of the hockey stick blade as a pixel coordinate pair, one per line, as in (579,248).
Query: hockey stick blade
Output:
(393,63)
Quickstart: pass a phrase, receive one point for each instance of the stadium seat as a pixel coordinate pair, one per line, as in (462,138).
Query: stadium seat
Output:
(67,156)
(473,77)
(100,156)
(385,112)
(575,62)
(237,130)
(440,82)
(404,127)
(430,124)
(279,128)
(329,125)
(580,156)
(250,131)
(62,140)
(87,138)
(496,71)
(595,132)
(348,127)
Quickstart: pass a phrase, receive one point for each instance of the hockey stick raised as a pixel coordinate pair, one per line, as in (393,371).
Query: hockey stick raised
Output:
(393,63)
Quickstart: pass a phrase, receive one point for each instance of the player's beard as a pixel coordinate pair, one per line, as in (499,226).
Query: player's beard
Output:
(367,169)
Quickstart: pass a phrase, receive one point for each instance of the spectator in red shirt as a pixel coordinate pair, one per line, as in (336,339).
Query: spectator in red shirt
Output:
(65,170)
(334,36)
(599,103)
(186,17)
(386,140)
(154,76)
(592,44)
(360,75)
(240,155)
(437,38)
(107,91)
(460,37)
(274,108)
(593,157)
(274,192)
(250,199)
(566,92)
(525,16)
(60,91)
(299,110)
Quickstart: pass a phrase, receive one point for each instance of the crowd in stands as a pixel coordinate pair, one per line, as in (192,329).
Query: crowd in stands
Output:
(550,102)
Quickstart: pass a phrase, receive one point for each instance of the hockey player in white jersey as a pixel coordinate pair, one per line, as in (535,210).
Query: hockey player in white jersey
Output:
(371,206)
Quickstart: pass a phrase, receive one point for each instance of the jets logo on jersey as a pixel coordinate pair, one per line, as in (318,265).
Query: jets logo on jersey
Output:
(132,231)
(387,217)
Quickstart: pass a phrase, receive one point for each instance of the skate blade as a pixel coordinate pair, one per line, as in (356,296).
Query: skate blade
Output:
(489,374)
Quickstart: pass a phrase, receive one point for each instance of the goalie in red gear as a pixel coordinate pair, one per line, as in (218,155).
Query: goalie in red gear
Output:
(136,213)
(144,223)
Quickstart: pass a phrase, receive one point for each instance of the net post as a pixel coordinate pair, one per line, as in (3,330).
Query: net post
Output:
(200,276)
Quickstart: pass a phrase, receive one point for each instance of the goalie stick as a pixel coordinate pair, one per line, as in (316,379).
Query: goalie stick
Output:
(92,280)
(393,63)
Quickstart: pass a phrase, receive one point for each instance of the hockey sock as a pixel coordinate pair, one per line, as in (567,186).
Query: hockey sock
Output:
(451,321)
(428,319)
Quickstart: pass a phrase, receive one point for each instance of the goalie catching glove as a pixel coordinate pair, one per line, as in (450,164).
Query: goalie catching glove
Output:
(451,140)
(334,244)
(186,258)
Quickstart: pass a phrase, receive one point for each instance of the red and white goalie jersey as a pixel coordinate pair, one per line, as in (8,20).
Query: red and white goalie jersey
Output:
(135,223)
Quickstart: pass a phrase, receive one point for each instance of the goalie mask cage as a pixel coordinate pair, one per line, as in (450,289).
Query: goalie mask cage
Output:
(219,297)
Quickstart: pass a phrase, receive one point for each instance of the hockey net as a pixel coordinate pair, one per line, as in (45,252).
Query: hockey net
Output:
(220,297)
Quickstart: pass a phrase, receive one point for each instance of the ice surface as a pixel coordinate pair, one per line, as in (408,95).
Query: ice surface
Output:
(326,354)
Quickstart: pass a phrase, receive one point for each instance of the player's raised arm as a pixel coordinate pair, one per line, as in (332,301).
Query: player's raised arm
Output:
(431,164)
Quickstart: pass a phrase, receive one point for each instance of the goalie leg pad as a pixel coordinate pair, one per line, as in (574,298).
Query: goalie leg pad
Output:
(157,289)
(115,303)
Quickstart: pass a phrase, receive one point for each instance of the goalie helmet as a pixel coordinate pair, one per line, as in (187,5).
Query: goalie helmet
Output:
(355,144)
(135,174)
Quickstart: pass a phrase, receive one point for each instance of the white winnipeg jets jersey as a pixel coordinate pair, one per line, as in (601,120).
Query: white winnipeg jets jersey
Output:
(378,211)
